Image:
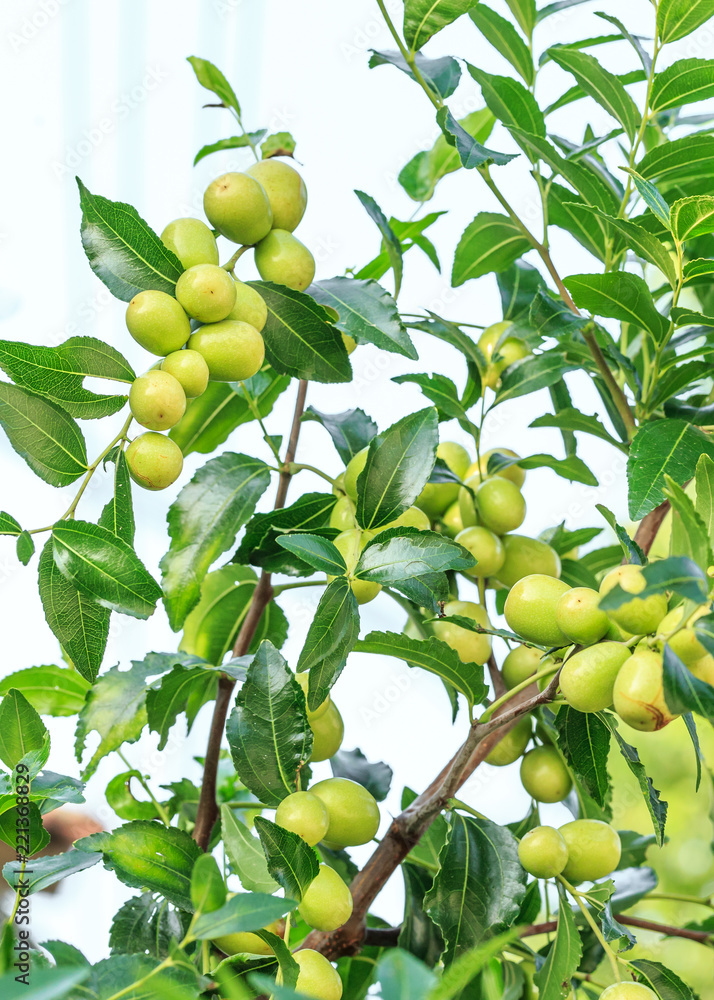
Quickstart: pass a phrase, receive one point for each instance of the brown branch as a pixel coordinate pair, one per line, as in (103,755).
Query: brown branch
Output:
(703,937)
(650,525)
(207,812)
(499,685)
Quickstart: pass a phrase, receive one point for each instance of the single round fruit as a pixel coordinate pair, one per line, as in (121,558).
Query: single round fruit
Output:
(594,850)
(579,616)
(207,292)
(543,852)
(350,543)
(628,991)
(285,189)
(530,609)
(520,664)
(238,207)
(233,351)
(472,647)
(243,942)
(157,322)
(638,694)
(192,242)
(327,903)
(249,306)
(282,258)
(513,744)
(526,557)
(451,519)
(467,506)
(500,351)
(349,342)
(491,336)
(412,517)
(500,505)
(639,616)
(189,368)
(515,473)
(353,811)
(683,643)
(485,547)
(303,813)
(544,775)
(156,400)
(154,460)
(704,669)
(588,678)
(342,515)
(303,679)
(354,467)
(436,497)
(328,731)
(316,978)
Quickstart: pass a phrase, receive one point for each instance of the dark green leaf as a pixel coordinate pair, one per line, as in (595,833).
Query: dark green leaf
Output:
(423,18)
(181,690)
(666,983)
(144,925)
(588,181)
(8,525)
(320,553)
(684,692)
(602,86)
(533,373)
(679,162)
(652,198)
(570,212)
(692,217)
(50,690)
(23,734)
(47,871)
(392,243)
(571,419)
(505,39)
(678,18)
(25,547)
(419,934)
(291,861)
(524,12)
(518,285)
(246,911)
(662,447)
(353,764)
(245,853)
(619,295)
(330,639)
(208,890)
(492,242)
(259,546)
(43,434)
(440,390)
(563,958)
(118,514)
(120,798)
(234,142)
(351,431)
(368,313)
(585,742)
(684,82)
(424,171)
(403,976)
(425,591)
(656,806)
(210,77)
(442,75)
(104,568)
(642,242)
(508,99)
(633,553)
(123,250)
(572,468)
(470,151)
(402,553)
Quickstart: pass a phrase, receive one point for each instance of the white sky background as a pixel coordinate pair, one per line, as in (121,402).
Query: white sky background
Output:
(103,90)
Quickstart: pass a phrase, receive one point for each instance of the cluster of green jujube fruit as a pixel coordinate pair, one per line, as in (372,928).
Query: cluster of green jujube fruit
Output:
(211,328)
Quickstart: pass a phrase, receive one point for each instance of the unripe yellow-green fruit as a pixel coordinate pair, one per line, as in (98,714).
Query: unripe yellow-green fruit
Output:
(154,460)
(157,322)
(189,368)
(282,258)
(246,942)
(342,515)
(156,400)
(628,991)
(451,519)
(594,850)
(472,647)
(579,616)
(530,609)
(638,694)
(328,731)
(683,643)
(350,543)
(349,342)
(233,351)
(704,669)
(500,355)
(192,242)
(353,811)
(327,903)
(249,306)
(303,679)
(520,664)
(238,207)
(515,473)
(526,557)
(436,497)
(467,504)
(303,813)
(491,336)
(543,852)
(640,615)
(544,775)
(412,517)
(485,547)
(513,744)
(207,292)
(285,189)
(588,678)
(354,467)
(500,505)
(316,978)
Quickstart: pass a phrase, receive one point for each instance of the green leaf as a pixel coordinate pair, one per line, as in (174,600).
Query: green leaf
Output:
(267,731)
(43,434)
(402,553)
(533,373)
(353,764)
(211,629)
(148,855)
(689,530)
(368,313)
(80,626)
(505,39)
(508,99)
(299,340)
(678,162)
(470,152)
(678,18)
(595,188)
(104,568)
(585,741)
(8,524)
(203,522)
(399,463)
(692,217)
(642,242)
(351,431)
(122,250)
(118,514)
(423,172)
(403,976)
(419,934)
(572,468)
(684,692)
(524,12)
(291,861)
(602,86)
(698,269)
(424,18)
(430,654)
(492,242)
(392,244)
(571,419)
(656,806)
(181,690)
(677,574)
(320,553)
(259,544)
(666,983)
(145,925)
(23,734)
(44,984)
(518,286)
(25,547)
(479,887)
(50,690)
(233,142)
(632,552)
(57,373)
(245,853)
(684,82)
(208,890)
(120,798)
(618,295)
(651,197)
(439,390)
(461,972)
(210,77)
(211,417)
(442,75)
(662,447)
(563,958)
(47,871)
(330,639)
(246,911)
(570,212)
(704,482)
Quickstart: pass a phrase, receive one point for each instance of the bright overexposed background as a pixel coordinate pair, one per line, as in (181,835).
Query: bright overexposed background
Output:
(103,91)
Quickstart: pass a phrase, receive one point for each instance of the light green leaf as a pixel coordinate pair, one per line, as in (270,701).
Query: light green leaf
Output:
(492,242)
(571,419)
(320,553)
(181,690)
(50,690)
(210,77)
(618,295)
(23,734)
(233,142)
(666,983)
(662,447)
(683,82)
(245,853)
(563,958)
(43,434)
(602,86)
(423,18)
(678,18)
(692,217)
(585,742)
(118,514)
(678,162)
(704,476)
(403,976)
(47,871)
(45,984)
(246,911)
(423,172)
(505,39)
(533,373)
(291,861)
(656,806)
(403,553)
(690,534)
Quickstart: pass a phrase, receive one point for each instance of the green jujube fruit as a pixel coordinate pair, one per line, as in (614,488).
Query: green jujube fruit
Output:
(641,615)
(239,208)
(436,497)
(543,852)
(192,242)
(158,322)
(353,811)
(189,368)
(638,695)
(530,609)
(156,400)
(512,745)
(526,557)
(328,731)
(472,647)
(316,978)
(544,775)
(303,813)
(500,505)
(594,850)
(485,547)
(579,616)
(233,351)
(154,460)
(249,307)
(206,292)
(520,664)
(588,678)
(280,257)
(355,465)
(285,189)
(327,903)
